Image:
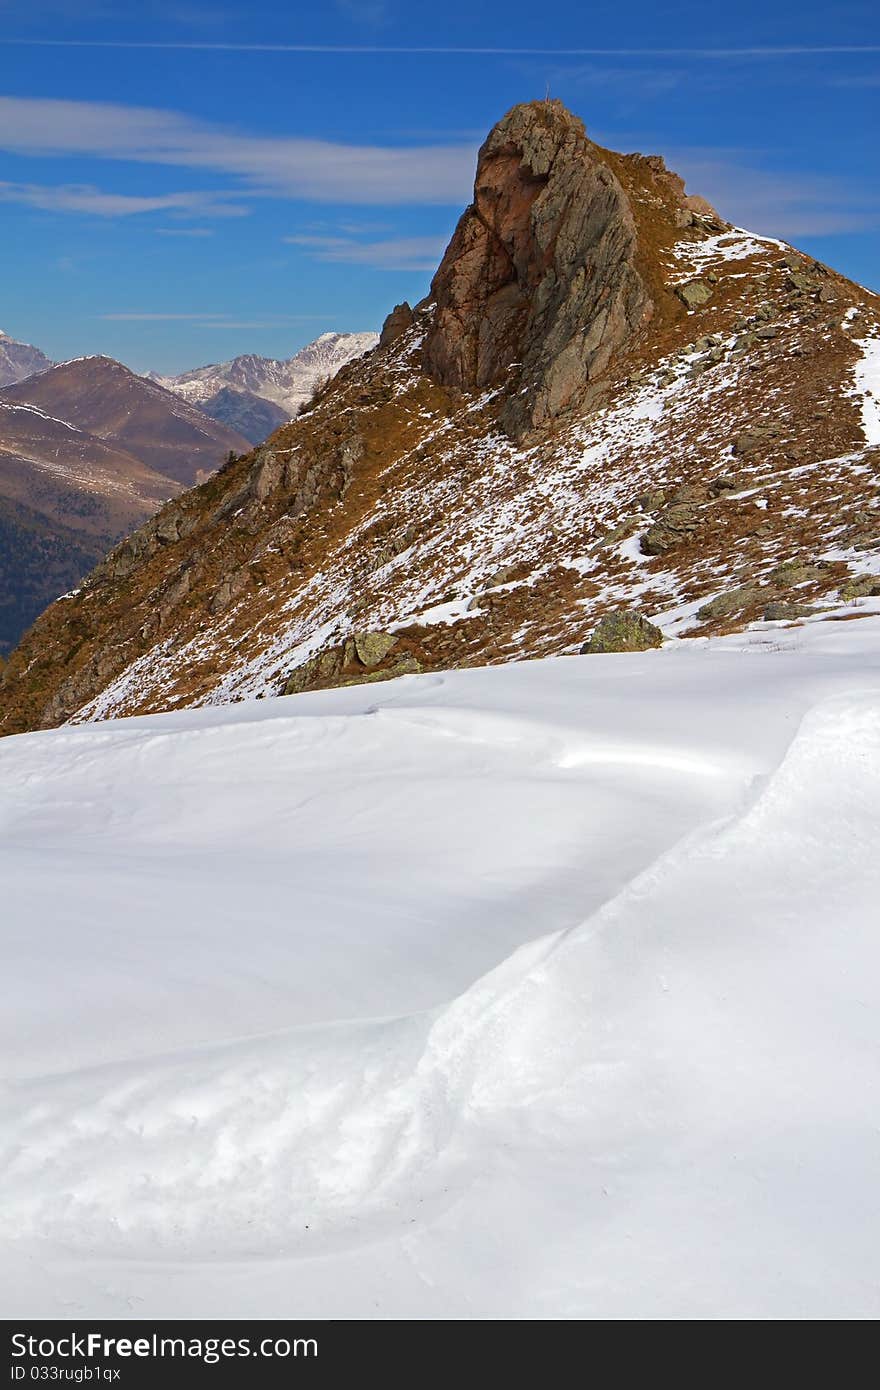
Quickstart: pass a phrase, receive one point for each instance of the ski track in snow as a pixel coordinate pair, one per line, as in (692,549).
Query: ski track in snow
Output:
(542,991)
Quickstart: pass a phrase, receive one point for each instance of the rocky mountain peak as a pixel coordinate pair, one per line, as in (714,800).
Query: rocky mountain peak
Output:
(611,399)
(540,281)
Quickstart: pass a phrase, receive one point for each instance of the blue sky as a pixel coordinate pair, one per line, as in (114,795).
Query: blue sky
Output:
(186,181)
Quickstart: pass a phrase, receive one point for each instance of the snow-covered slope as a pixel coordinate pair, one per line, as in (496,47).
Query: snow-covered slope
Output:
(543,990)
(288,382)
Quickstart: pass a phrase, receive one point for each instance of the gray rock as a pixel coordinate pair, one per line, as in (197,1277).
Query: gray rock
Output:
(861,586)
(757,437)
(785,612)
(541,271)
(372,648)
(791,573)
(673,528)
(734,601)
(650,501)
(694,293)
(727,482)
(623,632)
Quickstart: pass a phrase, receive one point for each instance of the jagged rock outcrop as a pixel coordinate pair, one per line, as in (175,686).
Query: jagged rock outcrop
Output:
(539,284)
(396,324)
(632,452)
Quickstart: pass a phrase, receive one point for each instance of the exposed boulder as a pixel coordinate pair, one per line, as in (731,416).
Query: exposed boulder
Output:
(674,527)
(791,573)
(727,482)
(540,276)
(785,612)
(404,666)
(751,441)
(372,648)
(731,602)
(694,293)
(861,586)
(623,632)
(652,500)
(345,664)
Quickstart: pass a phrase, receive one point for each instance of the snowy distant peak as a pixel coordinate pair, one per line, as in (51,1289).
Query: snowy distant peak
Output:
(287,382)
(18,361)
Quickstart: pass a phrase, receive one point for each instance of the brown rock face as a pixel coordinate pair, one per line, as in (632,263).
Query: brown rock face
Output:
(539,281)
(396,324)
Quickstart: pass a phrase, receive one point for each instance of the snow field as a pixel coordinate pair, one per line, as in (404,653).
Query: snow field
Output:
(547,990)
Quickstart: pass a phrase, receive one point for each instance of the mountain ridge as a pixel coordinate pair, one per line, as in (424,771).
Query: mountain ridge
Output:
(88,451)
(664,413)
(105,398)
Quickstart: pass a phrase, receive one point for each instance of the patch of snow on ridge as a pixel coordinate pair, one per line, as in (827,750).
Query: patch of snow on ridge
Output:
(867,388)
(735,244)
(35,410)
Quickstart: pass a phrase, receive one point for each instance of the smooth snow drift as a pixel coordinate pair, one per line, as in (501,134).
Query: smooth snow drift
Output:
(547,990)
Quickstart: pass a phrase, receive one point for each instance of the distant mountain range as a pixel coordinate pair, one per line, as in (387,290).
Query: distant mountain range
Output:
(88,451)
(257,394)
(104,398)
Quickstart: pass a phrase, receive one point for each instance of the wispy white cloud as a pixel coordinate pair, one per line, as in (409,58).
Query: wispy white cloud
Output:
(394,253)
(372,13)
(853,81)
(184,231)
(789,205)
(138,317)
(208,319)
(262,323)
(758,51)
(637,80)
(83,198)
(286,166)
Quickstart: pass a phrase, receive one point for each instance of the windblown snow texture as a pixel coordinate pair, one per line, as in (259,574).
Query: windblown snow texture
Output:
(547,990)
